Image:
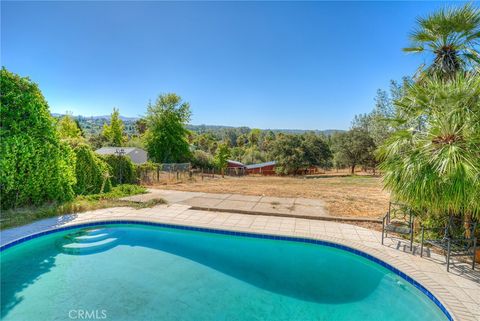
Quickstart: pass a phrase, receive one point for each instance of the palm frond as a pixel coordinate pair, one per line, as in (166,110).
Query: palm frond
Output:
(413,49)
(448,34)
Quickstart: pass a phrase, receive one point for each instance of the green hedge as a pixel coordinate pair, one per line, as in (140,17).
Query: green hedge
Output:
(35,167)
(92,172)
(122,170)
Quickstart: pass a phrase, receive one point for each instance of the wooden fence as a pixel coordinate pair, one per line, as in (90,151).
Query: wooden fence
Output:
(151,173)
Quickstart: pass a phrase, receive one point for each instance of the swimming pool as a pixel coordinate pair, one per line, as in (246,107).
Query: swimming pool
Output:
(139,272)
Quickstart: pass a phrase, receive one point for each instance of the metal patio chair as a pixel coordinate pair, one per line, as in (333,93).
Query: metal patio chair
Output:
(399,219)
(457,239)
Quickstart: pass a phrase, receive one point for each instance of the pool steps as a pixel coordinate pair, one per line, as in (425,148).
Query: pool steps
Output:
(87,241)
(93,231)
(94,237)
(89,245)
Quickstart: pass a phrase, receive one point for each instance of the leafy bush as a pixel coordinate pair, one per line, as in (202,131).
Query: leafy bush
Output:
(92,172)
(201,159)
(35,167)
(122,169)
(143,171)
(148,166)
(117,192)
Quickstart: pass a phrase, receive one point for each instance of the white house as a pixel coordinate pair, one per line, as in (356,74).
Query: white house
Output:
(137,155)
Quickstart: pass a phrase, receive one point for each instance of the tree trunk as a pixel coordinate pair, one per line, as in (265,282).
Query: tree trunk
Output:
(467,219)
(353,169)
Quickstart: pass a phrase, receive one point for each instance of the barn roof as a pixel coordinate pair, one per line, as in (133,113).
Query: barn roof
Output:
(113,150)
(235,162)
(259,165)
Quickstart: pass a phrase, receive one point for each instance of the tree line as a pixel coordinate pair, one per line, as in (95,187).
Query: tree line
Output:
(164,133)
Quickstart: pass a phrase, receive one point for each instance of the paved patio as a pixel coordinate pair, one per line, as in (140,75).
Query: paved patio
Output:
(458,290)
(237,203)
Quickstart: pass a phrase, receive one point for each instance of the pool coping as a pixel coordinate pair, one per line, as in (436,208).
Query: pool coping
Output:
(301,239)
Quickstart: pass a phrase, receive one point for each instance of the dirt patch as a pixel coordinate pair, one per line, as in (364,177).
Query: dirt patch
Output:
(355,196)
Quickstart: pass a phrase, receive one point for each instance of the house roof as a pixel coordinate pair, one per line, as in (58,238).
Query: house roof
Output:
(259,165)
(113,150)
(235,162)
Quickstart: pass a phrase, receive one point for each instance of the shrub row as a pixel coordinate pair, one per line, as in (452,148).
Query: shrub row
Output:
(93,174)
(36,166)
(122,170)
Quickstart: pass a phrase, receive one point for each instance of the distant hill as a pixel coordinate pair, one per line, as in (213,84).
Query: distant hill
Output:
(326,132)
(92,125)
(244,129)
(103,117)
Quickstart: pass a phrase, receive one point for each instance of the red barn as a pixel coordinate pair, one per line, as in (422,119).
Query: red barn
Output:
(267,168)
(234,164)
(235,168)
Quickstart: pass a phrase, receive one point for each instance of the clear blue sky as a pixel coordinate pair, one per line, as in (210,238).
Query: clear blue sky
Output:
(306,65)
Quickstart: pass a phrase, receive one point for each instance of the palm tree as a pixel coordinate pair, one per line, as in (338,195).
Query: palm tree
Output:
(432,162)
(452,35)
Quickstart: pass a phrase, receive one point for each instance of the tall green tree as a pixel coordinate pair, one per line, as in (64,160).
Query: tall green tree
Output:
(231,135)
(35,166)
(221,157)
(242,140)
(141,126)
(295,152)
(67,128)
(452,35)
(288,153)
(252,155)
(434,165)
(113,132)
(205,142)
(316,150)
(167,135)
(354,147)
(267,139)
(254,137)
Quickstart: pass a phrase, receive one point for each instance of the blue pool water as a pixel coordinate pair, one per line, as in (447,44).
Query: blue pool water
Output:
(135,272)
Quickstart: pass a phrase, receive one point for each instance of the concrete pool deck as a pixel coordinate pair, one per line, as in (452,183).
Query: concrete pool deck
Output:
(246,204)
(458,290)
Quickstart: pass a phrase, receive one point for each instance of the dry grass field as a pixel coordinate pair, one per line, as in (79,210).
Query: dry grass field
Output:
(360,196)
